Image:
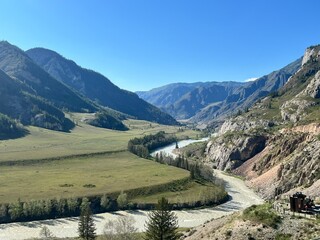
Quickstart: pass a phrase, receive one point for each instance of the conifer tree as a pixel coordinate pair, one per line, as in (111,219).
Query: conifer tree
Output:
(86,227)
(162,224)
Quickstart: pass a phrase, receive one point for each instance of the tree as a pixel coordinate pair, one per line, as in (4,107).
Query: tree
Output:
(16,210)
(104,202)
(121,229)
(162,223)
(86,227)
(122,200)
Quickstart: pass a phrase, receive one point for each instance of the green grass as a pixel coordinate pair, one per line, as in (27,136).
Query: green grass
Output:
(262,214)
(42,143)
(87,161)
(190,193)
(282,236)
(71,177)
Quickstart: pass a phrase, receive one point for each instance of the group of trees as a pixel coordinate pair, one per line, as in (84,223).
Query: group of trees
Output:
(142,146)
(9,128)
(38,209)
(162,224)
(105,120)
(53,208)
(197,170)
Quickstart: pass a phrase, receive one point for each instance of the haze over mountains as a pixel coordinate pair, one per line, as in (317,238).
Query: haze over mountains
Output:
(211,102)
(39,85)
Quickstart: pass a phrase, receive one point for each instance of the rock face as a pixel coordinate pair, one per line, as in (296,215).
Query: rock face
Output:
(294,110)
(313,89)
(259,144)
(229,152)
(240,123)
(307,55)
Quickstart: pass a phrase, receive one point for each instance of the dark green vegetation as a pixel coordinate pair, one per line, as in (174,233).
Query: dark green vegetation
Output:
(86,226)
(105,120)
(9,128)
(20,102)
(97,87)
(162,223)
(143,146)
(194,151)
(16,63)
(262,214)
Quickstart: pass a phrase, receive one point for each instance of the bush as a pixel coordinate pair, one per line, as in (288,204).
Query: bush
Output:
(122,200)
(282,236)
(263,214)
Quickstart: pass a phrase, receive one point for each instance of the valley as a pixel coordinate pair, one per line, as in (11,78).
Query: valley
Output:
(70,136)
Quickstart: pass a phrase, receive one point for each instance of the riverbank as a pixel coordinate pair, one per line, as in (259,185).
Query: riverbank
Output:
(241,197)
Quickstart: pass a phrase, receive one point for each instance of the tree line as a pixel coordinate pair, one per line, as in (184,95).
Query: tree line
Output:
(142,146)
(162,223)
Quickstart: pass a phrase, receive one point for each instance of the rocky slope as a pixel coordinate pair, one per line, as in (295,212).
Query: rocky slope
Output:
(236,228)
(288,157)
(246,95)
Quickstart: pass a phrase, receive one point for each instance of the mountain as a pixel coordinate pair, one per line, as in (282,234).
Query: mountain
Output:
(184,100)
(19,101)
(275,144)
(211,102)
(246,95)
(97,87)
(167,95)
(16,63)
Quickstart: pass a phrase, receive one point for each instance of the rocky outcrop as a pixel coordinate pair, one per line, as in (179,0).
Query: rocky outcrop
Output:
(307,55)
(291,161)
(313,88)
(231,150)
(312,129)
(240,123)
(295,109)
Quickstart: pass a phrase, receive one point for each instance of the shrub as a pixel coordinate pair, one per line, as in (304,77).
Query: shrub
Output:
(262,214)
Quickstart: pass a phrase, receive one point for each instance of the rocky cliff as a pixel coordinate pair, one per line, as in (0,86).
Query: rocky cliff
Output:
(275,144)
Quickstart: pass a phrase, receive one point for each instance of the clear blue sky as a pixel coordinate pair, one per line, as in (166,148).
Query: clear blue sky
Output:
(141,44)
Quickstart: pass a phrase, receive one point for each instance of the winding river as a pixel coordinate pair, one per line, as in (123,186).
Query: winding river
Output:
(169,149)
(240,197)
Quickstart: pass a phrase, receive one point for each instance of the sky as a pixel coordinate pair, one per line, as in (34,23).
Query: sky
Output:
(143,44)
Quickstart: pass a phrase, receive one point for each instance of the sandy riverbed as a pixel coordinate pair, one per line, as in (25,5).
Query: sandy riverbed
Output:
(241,197)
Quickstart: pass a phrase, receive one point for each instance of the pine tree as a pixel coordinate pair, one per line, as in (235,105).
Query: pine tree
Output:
(162,224)
(86,227)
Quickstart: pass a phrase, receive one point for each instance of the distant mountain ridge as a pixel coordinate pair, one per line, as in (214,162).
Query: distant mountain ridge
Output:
(97,87)
(211,102)
(183,100)
(245,96)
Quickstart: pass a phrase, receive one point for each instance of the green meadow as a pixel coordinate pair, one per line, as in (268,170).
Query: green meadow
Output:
(88,161)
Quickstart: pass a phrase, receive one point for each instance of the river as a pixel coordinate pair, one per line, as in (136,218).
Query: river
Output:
(168,149)
(240,197)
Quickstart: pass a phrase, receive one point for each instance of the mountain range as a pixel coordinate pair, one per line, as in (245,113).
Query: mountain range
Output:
(211,102)
(38,86)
